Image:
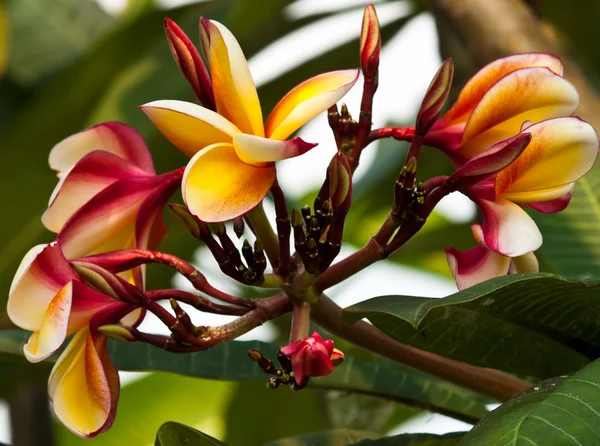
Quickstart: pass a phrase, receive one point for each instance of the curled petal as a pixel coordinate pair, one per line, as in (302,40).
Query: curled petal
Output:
(507,229)
(42,274)
(484,79)
(260,151)
(235,92)
(94,172)
(113,137)
(528,94)
(527,263)
(218,186)
(475,265)
(107,222)
(84,385)
(298,362)
(318,362)
(307,100)
(555,205)
(561,151)
(188,126)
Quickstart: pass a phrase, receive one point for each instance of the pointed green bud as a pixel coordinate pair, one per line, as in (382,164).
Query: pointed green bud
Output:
(183,216)
(117,332)
(296,218)
(411,166)
(339,177)
(217,228)
(435,98)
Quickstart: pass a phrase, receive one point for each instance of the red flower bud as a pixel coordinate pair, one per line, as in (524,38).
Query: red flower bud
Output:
(339,177)
(190,63)
(312,356)
(435,98)
(370,42)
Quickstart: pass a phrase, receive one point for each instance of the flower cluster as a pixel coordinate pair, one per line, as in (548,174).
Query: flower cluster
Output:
(510,135)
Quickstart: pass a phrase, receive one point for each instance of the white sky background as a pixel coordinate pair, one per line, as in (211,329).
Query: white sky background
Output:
(408,62)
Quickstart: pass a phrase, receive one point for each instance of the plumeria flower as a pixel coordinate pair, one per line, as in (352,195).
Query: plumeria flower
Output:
(542,177)
(498,99)
(312,356)
(109,196)
(232,152)
(48,298)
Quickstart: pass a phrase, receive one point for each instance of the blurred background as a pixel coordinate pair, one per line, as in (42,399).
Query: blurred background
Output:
(69,64)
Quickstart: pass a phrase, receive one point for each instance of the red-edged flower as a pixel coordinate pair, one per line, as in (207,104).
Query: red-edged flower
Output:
(312,356)
(48,298)
(109,196)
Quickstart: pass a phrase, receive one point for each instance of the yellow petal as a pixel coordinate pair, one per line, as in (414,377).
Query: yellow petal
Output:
(485,78)
(218,186)
(561,151)
(83,386)
(188,126)
(307,100)
(235,92)
(260,151)
(529,94)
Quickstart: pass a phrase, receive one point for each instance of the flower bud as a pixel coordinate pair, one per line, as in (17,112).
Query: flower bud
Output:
(370,42)
(339,177)
(185,219)
(435,98)
(312,356)
(190,63)
(106,282)
(117,332)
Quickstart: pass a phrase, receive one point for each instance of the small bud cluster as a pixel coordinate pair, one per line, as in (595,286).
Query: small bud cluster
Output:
(283,375)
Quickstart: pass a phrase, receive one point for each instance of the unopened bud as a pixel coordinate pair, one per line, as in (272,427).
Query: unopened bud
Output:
(296,218)
(411,167)
(190,63)
(217,228)
(238,226)
(435,98)
(117,332)
(340,183)
(337,357)
(106,282)
(370,42)
(183,216)
(204,25)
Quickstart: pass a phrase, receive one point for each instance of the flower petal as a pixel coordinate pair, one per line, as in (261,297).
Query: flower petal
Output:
(561,151)
(84,386)
(307,100)
(484,79)
(107,221)
(507,229)
(94,172)
(475,265)
(188,126)
(218,186)
(235,92)
(555,205)
(113,137)
(525,264)
(43,272)
(528,94)
(260,151)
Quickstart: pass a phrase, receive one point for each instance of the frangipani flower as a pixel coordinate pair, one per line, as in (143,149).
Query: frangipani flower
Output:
(560,152)
(312,356)
(233,152)
(49,299)
(109,196)
(499,99)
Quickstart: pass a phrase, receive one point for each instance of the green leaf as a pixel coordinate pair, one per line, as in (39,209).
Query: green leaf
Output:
(177,434)
(539,325)
(228,362)
(47,35)
(415,440)
(334,437)
(560,411)
(571,243)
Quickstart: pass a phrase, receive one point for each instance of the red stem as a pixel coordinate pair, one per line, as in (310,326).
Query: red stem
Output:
(398,133)
(196,301)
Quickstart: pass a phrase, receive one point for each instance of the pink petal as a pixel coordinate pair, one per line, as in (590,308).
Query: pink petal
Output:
(261,151)
(113,137)
(507,229)
(298,364)
(555,205)
(475,265)
(94,172)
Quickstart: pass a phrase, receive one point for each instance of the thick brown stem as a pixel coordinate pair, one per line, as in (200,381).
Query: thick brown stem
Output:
(495,384)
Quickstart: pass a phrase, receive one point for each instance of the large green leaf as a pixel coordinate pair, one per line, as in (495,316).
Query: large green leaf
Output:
(177,434)
(540,325)
(45,35)
(561,411)
(415,440)
(334,437)
(228,362)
